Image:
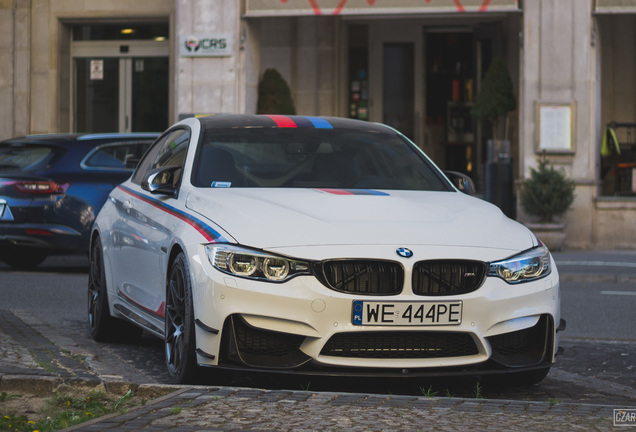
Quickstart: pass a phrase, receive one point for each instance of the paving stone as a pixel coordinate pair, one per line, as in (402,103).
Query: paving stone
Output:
(576,398)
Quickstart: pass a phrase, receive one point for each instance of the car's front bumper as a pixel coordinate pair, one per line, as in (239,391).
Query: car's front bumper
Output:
(303,326)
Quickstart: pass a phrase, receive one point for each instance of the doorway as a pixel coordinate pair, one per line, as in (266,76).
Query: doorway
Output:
(422,81)
(120,85)
(395,63)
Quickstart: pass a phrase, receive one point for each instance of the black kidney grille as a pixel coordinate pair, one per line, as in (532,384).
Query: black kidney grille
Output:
(400,344)
(364,277)
(447,277)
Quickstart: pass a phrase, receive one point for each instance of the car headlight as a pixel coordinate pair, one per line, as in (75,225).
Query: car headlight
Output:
(254,264)
(527,266)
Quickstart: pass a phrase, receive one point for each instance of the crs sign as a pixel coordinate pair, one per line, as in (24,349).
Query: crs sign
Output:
(205,45)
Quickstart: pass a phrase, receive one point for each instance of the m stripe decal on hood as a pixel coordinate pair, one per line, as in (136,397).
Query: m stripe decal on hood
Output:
(205,230)
(353,192)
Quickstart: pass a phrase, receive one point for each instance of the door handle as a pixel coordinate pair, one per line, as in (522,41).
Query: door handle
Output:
(127,205)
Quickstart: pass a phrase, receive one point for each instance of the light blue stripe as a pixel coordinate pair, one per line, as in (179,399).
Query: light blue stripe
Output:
(319,123)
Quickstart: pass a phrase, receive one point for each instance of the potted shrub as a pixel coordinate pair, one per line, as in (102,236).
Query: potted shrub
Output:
(274,95)
(546,195)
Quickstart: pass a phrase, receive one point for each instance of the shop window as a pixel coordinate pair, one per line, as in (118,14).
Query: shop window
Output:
(618,159)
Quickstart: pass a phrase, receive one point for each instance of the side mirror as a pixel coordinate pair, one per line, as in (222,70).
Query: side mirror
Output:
(162,181)
(461,181)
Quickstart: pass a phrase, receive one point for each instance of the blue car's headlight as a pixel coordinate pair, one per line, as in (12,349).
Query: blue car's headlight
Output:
(527,266)
(253,264)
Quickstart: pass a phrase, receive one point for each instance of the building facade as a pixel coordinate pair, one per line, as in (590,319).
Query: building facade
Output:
(417,65)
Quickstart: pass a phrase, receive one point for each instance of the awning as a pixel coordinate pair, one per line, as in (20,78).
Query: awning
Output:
(615,6)
(261,8)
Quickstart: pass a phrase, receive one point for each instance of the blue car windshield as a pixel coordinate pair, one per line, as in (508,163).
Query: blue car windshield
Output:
(312,158)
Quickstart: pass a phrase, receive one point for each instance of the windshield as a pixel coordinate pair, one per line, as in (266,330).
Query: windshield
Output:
(312,158)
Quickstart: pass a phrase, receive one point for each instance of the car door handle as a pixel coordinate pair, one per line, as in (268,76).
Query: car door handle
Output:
(127,205)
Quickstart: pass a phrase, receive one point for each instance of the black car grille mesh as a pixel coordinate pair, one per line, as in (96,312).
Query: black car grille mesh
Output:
(447,277)
(400,344)
(523,347)
(261,342)
(263,348)
(364,277)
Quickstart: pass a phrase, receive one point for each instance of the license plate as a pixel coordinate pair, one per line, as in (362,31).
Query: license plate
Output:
(406,313)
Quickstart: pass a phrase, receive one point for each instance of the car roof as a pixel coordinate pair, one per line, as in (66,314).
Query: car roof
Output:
(288,121)
(69,138)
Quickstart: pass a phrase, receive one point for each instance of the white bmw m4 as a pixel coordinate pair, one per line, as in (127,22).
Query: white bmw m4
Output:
(317,245)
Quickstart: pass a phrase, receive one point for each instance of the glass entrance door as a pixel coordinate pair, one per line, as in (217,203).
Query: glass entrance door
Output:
(96,95)
(149,105)
(121,94)
(120,77)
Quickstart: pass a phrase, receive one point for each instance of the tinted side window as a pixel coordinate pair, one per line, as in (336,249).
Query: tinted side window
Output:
(173,151)
(169,150)
(123,155)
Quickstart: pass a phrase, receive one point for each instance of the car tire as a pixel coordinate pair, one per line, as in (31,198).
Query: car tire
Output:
(23,258)
(104,327)
(179,339)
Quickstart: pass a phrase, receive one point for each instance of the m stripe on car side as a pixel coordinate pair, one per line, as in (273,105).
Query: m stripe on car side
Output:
(205,230)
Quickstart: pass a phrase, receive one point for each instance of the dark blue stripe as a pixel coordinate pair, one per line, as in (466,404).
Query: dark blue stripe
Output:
(320,123)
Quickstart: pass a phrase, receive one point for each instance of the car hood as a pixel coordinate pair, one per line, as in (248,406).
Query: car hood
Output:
(276,218)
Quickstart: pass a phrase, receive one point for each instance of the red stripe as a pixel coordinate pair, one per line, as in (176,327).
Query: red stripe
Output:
(283,121)
(161,312)
(183,218)
(460,6)
(340,7)
(337,191)
(315,7)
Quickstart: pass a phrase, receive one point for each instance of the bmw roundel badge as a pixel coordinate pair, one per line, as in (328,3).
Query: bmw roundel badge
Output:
(404,252)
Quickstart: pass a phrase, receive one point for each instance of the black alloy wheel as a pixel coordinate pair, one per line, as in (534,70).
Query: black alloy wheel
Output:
(180,338)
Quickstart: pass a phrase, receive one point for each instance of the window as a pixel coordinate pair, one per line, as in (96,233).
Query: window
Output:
(25,157)
(124,156)
(312,159)
(169,150)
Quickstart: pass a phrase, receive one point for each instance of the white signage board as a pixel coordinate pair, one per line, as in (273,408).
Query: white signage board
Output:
(206,45)
(555,127)
(97,69)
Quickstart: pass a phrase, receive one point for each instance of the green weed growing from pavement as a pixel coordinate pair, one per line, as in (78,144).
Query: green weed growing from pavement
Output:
(306,387)
(478,390)
(63,411)
(428,392)
(46,366)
